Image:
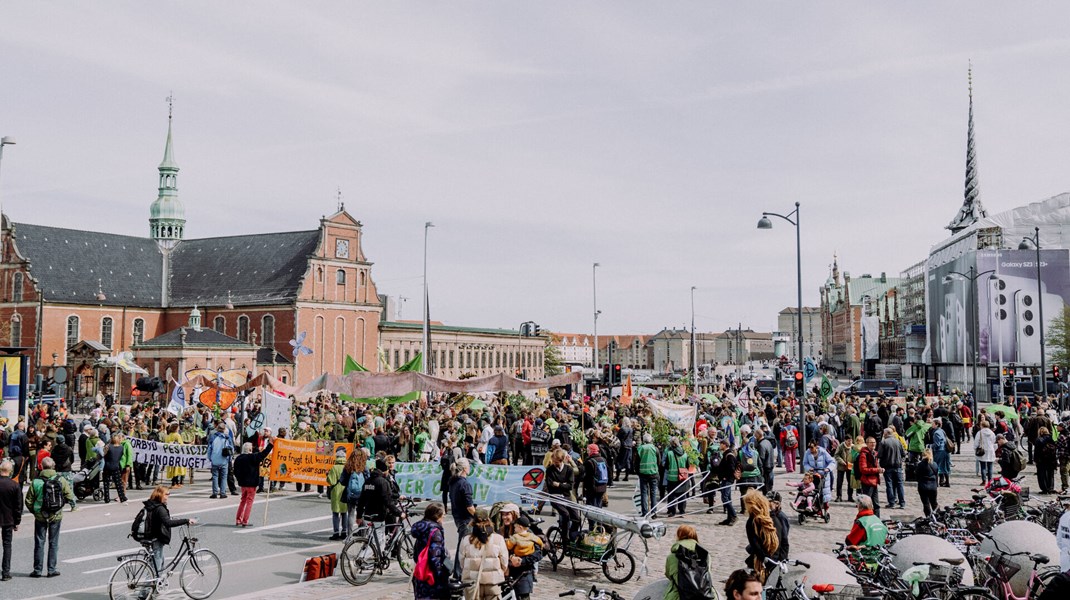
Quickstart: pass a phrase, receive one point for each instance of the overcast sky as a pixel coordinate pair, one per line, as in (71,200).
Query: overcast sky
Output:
(543,137)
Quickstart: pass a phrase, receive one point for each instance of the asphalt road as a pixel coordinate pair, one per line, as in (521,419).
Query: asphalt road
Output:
(284,531)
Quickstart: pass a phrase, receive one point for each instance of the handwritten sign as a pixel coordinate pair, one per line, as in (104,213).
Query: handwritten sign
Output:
(163,454)
(304,462)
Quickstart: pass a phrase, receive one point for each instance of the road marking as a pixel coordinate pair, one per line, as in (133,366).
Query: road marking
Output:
(197,512)
(279,525)
(102,555)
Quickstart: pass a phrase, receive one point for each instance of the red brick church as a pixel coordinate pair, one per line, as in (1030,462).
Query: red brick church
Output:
(75,298)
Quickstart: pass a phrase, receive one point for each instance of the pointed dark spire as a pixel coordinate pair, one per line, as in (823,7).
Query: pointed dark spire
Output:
(971,209)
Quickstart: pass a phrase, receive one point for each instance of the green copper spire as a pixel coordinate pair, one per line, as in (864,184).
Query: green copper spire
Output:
(167,216)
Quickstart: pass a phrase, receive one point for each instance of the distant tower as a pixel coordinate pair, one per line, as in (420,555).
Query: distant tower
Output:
(167,217)
(195,319)
(971,210)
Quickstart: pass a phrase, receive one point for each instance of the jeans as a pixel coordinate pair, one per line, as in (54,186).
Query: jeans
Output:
(986,471)
(246,505)
(568,521)
(157,555)
(871,491)
(768,479)
(219,480)
(463,529)
(648,492)
(726,499)
(893,486)
(113,478)
(42,531)
(340,523)
(7,532)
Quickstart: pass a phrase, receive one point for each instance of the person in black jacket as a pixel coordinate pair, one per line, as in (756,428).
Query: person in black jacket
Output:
(927,478)
(160,523)
(247,474)
(378,502)
(112,459)
(10,513)
(726,477)
(561,481)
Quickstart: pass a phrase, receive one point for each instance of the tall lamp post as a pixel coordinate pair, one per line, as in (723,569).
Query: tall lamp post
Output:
(7,140)
(427,315)
(694,357)
(1024,245)
(865,313)
(594,295)
(765,223)
(972,278)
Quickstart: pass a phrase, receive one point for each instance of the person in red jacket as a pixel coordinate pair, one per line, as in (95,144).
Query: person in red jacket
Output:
(525,437)
(870,471)
(868,530)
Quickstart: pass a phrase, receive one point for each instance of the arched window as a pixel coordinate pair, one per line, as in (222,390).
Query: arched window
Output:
(220,324)
(243,328)
(72,330)
(16,331)
(362,278)
(267,330)
(139,331)
(340,276)
(16,287)
(105,332)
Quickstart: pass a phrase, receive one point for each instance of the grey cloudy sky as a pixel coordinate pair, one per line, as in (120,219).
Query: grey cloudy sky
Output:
(541,137)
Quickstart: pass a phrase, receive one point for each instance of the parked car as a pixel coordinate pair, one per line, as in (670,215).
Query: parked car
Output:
(871,387)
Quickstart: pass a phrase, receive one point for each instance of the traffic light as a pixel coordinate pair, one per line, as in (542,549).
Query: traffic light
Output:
(616,374)
(800,385)
(606,380)
(1055,372)
(1010,372)
(537,330)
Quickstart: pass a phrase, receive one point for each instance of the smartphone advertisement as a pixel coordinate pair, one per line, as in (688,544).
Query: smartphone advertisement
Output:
(1008,302)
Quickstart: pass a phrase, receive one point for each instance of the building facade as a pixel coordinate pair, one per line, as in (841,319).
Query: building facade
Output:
(462,351)
(575,349)
(788,323)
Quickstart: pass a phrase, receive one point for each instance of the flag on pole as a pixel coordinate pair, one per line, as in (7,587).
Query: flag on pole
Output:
(177,405)
(809,370)
(825,390)
(743,398)
(626,392)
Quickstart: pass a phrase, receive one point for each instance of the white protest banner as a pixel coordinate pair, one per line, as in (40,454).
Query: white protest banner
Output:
(169,455)
(490,483)
(743,398)
(276,410)
(177,405)
(680,415)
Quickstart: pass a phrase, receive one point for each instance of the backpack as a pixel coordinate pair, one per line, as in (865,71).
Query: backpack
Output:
(790,441)
(713,459)
(139,530)
(1048,451)
(856,469)
(355,486)
(834,444)
(1018,459)
(601,472)
(693,579)
(52,499)
(319,567)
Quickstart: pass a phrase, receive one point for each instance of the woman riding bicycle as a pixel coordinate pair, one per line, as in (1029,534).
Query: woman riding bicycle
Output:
(160,523)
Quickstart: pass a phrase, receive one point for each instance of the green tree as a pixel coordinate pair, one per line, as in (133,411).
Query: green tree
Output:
(552,360)
(1058,339)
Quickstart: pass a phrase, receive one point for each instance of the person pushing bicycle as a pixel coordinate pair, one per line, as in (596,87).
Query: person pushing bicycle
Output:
(159,524)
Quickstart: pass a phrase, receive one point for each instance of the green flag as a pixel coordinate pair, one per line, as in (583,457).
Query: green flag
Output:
(352,365)
(414,365)
(825,389)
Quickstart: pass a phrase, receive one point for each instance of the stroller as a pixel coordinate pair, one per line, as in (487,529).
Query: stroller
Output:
(87,481)
(820,507)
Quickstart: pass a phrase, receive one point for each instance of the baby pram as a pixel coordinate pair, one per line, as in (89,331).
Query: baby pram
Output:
(87,481)
(820,507)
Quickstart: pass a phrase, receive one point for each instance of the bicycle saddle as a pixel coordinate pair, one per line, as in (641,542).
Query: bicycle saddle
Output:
(1040,559)
(979,497)
(953,561)
(823,588)
(1033,511)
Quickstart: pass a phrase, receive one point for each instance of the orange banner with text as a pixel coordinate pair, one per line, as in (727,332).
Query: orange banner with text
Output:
(304,462)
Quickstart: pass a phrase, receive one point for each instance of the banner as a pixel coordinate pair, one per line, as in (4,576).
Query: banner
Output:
(680,415)
(169,455)
(276,411)
(304,462)
(826,390)
(490,483)
(809,370)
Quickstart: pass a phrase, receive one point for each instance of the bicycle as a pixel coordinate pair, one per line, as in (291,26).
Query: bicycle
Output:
(363,555)
(778,591)
(594,593)
(944,582)
(136,576)
(1001,570)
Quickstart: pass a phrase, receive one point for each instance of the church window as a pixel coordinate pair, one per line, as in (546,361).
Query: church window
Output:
(319,274)
(220,324)
(362,280)
(105,332)
(243,328)
(267,330)
(139,330)
(72,330)
(340,276)
(16,331)
(16,288)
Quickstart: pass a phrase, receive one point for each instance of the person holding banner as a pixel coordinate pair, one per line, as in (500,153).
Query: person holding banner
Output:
(247,473)
(176,474)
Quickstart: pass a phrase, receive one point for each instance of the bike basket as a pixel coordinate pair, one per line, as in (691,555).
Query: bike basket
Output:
(588,552)
(845,592)
(941,573)
(1004,567)
(986,519)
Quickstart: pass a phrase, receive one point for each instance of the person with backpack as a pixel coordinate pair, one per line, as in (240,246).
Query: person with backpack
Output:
(45,498)
(112,473)
(431,576)
(687,567)
(789,441)
(1011,458)
(247,473)
(1045,457)
(595,477)
(153,524)
(354,474)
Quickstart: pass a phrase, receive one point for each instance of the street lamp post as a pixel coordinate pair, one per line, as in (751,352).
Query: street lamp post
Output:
(594,295)
(427,316)
(972,278)
(765,223)
(1024,245)
(7,140)
(865,313)
(694,357)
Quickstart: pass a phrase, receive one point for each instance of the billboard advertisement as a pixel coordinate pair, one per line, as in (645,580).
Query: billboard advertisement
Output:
(1005,290)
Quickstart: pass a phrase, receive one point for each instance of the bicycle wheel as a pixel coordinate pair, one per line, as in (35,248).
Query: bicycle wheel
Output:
(201,574)
(619,566)
(405,552)
(1041,582)
(974,593)
(134,579)
(358,560)
(555,546)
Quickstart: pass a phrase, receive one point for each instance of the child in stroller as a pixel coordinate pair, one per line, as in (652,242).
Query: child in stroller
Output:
(810,501)
(87,480)
(804,500)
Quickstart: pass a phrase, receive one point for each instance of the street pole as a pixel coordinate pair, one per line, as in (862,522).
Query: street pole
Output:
(4,141)
(427,325)
(694,357)
(1024,245)
(594,295)
(765,223)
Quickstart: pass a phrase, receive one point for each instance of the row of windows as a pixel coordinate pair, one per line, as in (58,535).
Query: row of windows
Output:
(107,325)
(468,359)
(267,328)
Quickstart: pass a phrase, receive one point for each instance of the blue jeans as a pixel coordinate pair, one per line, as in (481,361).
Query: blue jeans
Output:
(43,530)
(648,492)
(986,471)
(219,480)
(157,555)
(726,499)
(893,486)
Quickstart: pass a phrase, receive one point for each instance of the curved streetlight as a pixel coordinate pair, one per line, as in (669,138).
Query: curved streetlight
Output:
(765,223)
(972,277)
(1025,244)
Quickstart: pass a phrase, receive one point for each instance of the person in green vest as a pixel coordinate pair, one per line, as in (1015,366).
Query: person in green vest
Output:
(868,529)
(648,474)
(676,477)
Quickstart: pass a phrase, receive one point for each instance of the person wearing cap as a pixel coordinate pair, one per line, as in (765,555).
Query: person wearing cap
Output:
(595,477)
(522,563)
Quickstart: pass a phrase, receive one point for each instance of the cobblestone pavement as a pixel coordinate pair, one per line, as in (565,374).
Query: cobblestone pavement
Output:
(726,544)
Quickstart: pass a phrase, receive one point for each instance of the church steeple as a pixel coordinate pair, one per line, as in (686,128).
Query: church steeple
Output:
(167,216)
(971,210)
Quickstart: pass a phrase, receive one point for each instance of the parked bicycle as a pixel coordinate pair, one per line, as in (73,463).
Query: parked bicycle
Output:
(136,577)
(595,593)
(777,591)
(999,571)
(364,555)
